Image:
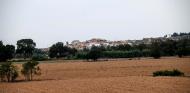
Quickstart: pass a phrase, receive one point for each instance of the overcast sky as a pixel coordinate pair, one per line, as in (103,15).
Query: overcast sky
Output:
(50,21)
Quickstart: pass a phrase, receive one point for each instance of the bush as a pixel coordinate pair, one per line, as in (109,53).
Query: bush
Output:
(156,50)
(94,54)
(122,54)
(146,52)
(29,69)
(38,57)
(175,72)
(8,72)
(81,55)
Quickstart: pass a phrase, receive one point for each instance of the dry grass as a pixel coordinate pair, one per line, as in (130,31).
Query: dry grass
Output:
(118,76)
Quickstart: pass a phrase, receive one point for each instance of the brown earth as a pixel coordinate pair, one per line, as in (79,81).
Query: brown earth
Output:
(116,76)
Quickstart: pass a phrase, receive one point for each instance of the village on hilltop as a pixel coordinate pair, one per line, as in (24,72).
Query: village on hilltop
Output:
(80,45)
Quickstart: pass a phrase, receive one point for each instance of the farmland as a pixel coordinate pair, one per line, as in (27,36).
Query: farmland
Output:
(114,76)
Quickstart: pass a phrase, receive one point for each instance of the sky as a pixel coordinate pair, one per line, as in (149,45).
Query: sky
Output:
(50,21)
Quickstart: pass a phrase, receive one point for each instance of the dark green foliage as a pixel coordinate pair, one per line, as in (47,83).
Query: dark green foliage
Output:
(168,47)
(146,52)
(59,50)
(8,72)
(25,47)
(6,52)
(155,50)
(174,34)
(94,53)
(39,55)
(183,48)
(121,47)
(122,54)
(175,72)
(29,69)
(179,34)
(81,55)
(140,47)
(10,50)
(2,52)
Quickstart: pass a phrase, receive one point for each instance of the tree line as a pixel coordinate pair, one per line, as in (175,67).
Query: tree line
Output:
(155,50)
(26,49)
(179,34)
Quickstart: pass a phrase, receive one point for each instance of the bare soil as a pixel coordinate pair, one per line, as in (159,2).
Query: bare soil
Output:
(116,76)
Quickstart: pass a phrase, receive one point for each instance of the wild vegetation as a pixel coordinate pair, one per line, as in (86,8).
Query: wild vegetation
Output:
(25,47)
(174,72)
(6,52)
(8,72)
(29,69)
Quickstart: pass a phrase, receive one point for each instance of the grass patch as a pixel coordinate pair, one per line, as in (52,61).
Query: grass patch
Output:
(174,72)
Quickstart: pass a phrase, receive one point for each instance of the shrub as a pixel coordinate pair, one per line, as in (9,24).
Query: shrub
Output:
(156,50)
(8,72)
(122,54)
(94,54)
(175,72)
(146,52)
(38,57)
(29,69)
(81,55)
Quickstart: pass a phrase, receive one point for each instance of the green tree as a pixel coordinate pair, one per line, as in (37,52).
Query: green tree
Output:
(155,50)
(168,47)
(183,47)
(121,47)
(25,47)
(59,50)
(6,52)
(174,34)
(2,52)
(10,51)
(140,47)
(8,72)
(39,55)
(94,53)
(29,69)
(146,52)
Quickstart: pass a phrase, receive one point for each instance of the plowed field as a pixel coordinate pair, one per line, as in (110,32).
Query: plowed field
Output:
(116,76)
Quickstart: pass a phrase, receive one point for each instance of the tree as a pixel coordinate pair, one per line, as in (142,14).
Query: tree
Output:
(183,47)
(146,52)
(140,47)
(10,50)
(155,50)
(25,47)
(6,52)
(174,34)
(94,53)
(168,47)
(56,50)
(29,69)
(8,72)
(39,55)
(2,52)
(121,47)
(59,50)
